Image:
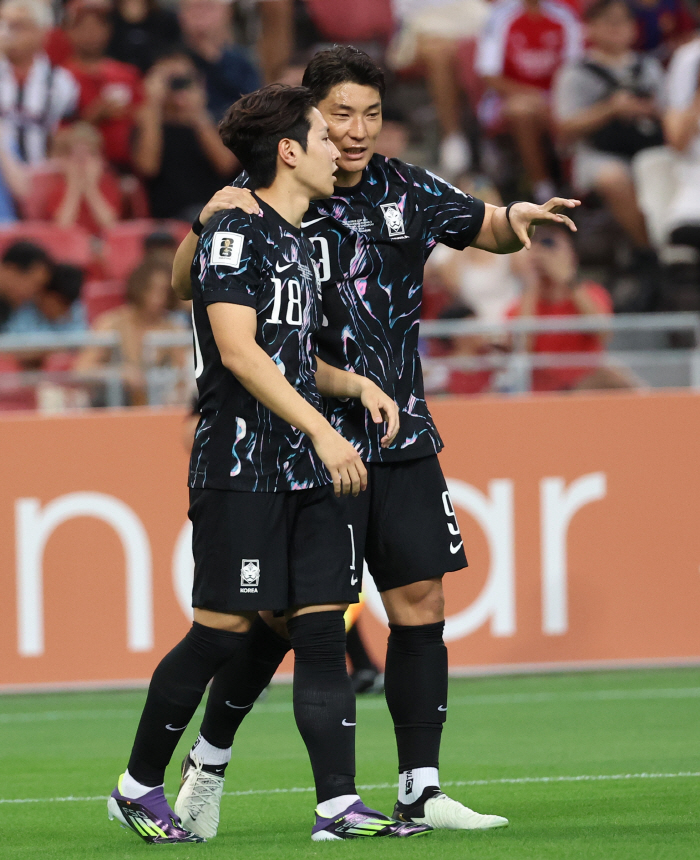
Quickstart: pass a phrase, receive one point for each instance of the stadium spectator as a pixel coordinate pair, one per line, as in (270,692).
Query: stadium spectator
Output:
(276,37)
(55,308)
(429,36)
(85,191)
(486,283)
(608,105)
(207,33)
(110,91)
(25,270)
(149,307)
(142,32)
(14,177)
(393,138)
(160,245)
(682,124)
(178,150)
(35,96)
(662,25)
(552,288)
(447,377)
(523,44)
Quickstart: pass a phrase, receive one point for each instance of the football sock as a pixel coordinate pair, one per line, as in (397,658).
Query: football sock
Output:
(239,682)
(357,652)
(415,680)
(324,702)
(211,755)
(336,805)
(130,787)
(175,691)
(412,783)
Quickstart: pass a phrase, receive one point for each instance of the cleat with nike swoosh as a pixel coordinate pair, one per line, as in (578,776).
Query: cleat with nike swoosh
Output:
(358,821)
(149,816)
(441,812)
(199,799)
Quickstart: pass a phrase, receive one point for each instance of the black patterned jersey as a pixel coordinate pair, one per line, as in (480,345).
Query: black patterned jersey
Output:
(265,263)
(371,243)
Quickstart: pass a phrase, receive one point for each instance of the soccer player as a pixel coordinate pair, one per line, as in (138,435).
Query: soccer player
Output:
(371,240)
(269,532)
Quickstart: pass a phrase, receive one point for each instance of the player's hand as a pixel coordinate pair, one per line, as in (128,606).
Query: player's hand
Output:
(342,461)
(382,409)
(230,198)
(524,216)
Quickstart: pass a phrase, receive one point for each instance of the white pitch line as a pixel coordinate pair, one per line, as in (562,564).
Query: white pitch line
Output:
(519,780)
(379,703)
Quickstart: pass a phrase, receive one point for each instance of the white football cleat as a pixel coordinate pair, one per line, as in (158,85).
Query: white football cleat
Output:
(443,813)
(199,799)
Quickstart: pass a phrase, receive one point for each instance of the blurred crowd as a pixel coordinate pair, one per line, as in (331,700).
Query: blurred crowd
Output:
(109,148)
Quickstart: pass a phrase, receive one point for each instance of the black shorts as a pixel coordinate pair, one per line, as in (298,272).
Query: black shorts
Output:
(407,523)
(272,550)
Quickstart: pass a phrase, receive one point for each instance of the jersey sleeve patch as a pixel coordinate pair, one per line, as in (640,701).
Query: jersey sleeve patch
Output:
(226,249)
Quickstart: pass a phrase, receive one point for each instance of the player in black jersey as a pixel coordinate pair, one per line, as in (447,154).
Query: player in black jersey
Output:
(269,532)
(372,238)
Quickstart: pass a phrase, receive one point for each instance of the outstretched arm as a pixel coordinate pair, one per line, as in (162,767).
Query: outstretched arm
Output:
(226,198)
(332,382)
(501,237)
(234,328)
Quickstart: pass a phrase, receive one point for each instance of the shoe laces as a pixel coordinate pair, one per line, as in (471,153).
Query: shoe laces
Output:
(206,785)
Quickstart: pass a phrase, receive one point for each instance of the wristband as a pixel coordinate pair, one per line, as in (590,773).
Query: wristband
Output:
(197,225)
(509,207)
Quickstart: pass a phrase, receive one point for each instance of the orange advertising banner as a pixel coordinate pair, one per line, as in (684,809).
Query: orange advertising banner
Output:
(579,515)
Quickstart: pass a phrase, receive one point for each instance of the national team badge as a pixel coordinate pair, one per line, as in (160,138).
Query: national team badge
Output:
(226,249)
(250,574)
(394,219)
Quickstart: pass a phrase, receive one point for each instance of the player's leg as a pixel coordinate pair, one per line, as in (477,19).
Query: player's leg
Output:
(227,527)
(324,577)
(409,548)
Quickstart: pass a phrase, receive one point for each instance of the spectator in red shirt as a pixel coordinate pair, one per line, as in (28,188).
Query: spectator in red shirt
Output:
(110,91)
(522,45)
(552,289)
(86,191)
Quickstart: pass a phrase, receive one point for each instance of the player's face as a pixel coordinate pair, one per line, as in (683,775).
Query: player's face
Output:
(354,116)
(317,166)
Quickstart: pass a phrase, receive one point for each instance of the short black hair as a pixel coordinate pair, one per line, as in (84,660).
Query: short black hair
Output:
(600,7)
(159,239)
(342,64)
(23,255)
(66,281)
(253,127)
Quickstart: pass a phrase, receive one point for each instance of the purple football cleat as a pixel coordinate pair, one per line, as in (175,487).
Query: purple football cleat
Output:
(150,817)
(359,821)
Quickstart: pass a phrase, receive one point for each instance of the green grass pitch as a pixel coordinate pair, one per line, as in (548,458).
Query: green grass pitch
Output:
(636,735)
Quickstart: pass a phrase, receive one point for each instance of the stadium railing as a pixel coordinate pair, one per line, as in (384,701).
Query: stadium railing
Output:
(656,362)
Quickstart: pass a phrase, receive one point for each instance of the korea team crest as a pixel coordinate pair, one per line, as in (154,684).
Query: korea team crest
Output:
(250,575)
(394,219)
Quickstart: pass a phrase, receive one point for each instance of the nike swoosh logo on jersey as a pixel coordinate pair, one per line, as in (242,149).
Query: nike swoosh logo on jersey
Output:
(442,707)
(315,221)
(346,723)
(454,549)
(282,268)
(173,729)
(240,707)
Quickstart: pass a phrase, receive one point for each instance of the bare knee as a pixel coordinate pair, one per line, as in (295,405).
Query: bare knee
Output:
(615,180)
(239,622)
(418,603)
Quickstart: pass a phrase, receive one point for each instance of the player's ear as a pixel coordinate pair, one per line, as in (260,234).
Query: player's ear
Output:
(288,151)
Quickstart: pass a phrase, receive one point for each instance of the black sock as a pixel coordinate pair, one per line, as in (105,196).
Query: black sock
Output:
(324,703)
(239,682)
(175,691)
(357,652)
(415,681)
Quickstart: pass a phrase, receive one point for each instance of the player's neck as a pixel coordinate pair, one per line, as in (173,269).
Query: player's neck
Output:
(289,201)
(346,178)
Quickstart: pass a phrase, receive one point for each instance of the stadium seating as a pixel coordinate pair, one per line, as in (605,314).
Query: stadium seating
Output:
(348,23)
(65,244)
(101,296)
(123,243)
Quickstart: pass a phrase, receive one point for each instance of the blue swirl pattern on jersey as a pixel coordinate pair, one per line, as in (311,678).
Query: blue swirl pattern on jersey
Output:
(262,262)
